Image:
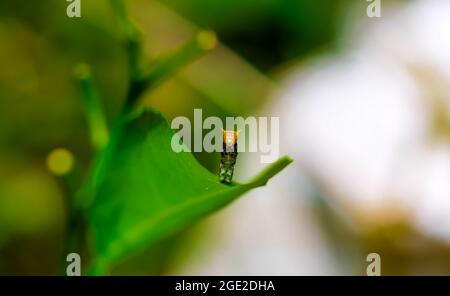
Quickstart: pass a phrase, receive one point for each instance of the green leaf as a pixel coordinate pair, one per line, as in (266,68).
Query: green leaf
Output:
(144,192)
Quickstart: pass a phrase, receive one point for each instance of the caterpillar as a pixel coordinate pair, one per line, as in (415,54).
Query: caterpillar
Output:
(228,156)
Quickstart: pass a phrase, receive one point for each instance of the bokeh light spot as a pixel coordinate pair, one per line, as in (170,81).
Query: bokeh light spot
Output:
(60,161)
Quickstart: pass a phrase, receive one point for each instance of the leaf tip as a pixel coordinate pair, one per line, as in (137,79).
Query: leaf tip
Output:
(82,71)
(271,170)
(206,40)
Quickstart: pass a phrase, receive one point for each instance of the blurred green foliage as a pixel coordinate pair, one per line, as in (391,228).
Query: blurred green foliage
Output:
(41,108)
(268,32)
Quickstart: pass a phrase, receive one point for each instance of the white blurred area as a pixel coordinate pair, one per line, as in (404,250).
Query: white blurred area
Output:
(368,124)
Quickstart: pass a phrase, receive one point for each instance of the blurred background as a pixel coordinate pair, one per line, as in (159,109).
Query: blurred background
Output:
(364,107)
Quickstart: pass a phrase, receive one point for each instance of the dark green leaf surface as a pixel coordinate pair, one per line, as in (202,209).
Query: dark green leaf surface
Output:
(144,192)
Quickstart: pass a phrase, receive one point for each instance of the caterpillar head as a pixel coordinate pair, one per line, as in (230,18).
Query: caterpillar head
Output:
(230,137)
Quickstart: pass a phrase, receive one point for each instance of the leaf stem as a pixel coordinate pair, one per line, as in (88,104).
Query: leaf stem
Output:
(97,124)
(167,65)
(160,69)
